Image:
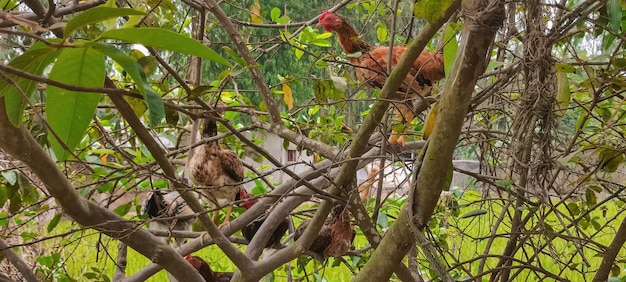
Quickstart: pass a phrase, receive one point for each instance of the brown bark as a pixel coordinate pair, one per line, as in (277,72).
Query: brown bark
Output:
(611,253)
(482,22)
(19,143)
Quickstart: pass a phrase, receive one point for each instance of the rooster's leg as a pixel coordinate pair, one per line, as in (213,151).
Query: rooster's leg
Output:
(227,216)
(404,115)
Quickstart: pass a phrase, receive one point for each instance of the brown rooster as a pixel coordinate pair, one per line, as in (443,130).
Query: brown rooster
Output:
(218,172)
(336,236)
(371,67)
(274,241)
(205,270)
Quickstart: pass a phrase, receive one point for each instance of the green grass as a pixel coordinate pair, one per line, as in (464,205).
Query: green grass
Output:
(565,256)
(464,239)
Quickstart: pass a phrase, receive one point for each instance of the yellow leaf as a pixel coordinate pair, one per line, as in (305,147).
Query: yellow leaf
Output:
(430,121)
(255,12)
(288,96)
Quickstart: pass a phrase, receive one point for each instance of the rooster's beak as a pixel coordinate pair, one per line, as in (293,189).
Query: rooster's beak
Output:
(319,24)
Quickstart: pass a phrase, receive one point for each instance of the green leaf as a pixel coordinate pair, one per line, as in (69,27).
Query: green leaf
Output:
(381,32)
(4,219)
(10,176)
(3,196)
(95,15)
(614,9)
(275,14)
(33,61)
(431,10)
(54,222)
(564,95)
(473,213)
(449,48)
(565,67)
(122,209)
(590,198)
(504,183)
(234,55)
(69,112)
(165,39)
(136,72)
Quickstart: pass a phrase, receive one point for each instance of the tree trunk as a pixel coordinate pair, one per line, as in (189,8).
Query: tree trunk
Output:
(483,20)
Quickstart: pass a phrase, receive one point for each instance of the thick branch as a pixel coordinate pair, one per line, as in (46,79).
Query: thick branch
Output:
(611,253)
(21,266)
(22,146)
(478,34)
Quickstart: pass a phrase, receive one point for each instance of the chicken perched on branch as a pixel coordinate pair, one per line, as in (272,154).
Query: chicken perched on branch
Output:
(205,270)
(217,172)
(336,236)
(170,212)
(371,67)
(250,230)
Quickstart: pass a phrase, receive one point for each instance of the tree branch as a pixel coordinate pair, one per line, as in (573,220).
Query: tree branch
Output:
(21,266)
(478,34)
(22,146)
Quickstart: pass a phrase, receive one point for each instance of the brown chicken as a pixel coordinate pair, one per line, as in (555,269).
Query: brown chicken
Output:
(371,68)
(217,172)
(205,270)
(274,241)
(336,236)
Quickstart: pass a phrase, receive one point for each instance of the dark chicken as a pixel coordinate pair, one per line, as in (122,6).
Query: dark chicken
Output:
(371,67)
(205,270)
(274,241)
(170,212)
(336,236)
(217,172)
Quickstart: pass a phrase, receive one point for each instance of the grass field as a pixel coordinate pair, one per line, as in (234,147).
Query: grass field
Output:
(573,254)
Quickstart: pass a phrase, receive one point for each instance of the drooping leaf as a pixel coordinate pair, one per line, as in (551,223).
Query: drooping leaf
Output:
(54,222)
(473,213)
(614,9)
(33,61)
(138,105)
(136,72)
(165,39)
(255,12)
(287,96)
(319,90)
(109,23)
(590,198)
(234,56)
(381,32)
(70,112)
(564,95)
(95,15)
(449,48)
(429,124)
(610,159)
(339,83)
(567,68)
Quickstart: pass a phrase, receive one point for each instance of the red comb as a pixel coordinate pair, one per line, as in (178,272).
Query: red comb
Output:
(188,257)
(324,14)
